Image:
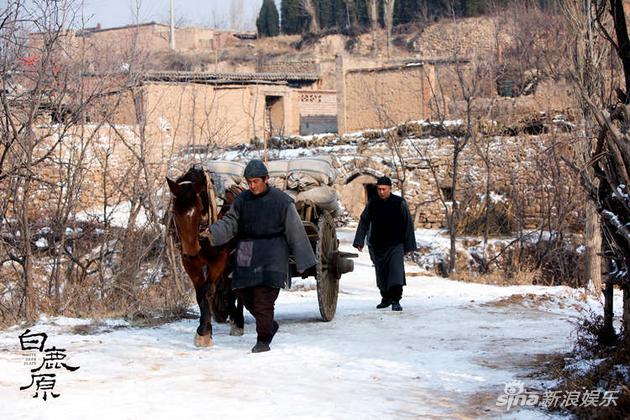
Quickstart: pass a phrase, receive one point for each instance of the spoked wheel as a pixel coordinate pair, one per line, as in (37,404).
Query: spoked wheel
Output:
(327,275)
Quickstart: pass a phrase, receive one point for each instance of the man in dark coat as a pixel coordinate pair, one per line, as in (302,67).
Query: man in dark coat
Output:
(387,220)
(268,229)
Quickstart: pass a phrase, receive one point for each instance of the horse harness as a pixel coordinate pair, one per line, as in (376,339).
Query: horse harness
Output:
(212,215)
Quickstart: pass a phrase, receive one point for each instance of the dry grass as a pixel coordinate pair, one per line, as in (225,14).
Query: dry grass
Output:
(609,370)
(499,278)
(140,291)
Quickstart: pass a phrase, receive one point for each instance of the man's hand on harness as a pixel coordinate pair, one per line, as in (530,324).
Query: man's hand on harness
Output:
(206,235)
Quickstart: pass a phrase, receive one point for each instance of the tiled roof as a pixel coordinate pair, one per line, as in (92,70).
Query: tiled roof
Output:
(201,77)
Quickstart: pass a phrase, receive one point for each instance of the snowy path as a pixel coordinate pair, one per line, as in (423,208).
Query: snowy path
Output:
(448,354)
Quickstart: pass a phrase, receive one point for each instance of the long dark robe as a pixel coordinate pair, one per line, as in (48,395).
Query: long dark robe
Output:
(391,235)
(390,266)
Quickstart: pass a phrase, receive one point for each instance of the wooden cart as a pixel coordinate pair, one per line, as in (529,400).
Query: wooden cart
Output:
(331,263)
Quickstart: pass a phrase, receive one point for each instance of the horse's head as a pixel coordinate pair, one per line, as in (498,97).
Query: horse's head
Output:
(190,208)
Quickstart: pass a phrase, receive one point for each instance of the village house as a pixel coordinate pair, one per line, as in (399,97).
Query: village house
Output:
(225,109)
(172,113)
(151,37)
(203,109)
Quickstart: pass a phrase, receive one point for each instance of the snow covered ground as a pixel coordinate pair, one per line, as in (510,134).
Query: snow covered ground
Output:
(448,354)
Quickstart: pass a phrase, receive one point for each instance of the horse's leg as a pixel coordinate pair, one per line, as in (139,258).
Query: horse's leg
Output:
(203,338)
(236,314)
(198,275)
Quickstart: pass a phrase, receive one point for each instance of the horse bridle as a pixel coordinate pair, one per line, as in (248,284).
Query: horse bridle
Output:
(211,214)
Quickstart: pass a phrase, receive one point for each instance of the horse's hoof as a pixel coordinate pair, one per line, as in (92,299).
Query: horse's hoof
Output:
(236,331)
(203,340)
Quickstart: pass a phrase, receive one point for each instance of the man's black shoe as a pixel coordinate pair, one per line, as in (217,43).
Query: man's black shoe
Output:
(396,307)
(260,347)
(385,302)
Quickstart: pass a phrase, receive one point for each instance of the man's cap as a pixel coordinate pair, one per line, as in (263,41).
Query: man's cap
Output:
(255,169)
(384,180)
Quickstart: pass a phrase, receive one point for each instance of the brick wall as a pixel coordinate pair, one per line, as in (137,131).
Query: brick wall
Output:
(313,102)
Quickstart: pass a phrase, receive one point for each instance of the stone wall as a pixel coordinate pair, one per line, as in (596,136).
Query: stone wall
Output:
(93,165)
(528,183)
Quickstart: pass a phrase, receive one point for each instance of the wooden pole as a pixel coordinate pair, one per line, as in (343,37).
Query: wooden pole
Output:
(172,38)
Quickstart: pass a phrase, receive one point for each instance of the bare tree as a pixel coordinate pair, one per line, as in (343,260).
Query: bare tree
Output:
(236,14)
(610,157)
(372,7)
(59,99)
(483,151)
(589,52)
(46,104)
(26,91)
(309,7)
(351,14)
(459,87)
(388,18)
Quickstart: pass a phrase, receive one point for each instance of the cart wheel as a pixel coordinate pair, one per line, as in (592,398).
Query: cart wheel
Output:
(326,276)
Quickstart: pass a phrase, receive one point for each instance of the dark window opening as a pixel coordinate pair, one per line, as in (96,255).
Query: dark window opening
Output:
(370,191)
(274,116)
(447,193)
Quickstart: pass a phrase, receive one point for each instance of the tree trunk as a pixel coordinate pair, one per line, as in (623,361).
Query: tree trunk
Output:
(593,244)
(486,214)
(372,6)
(607,335)
(309,7)
(623,42)
(454,212)
(388,8)
(27,252)
(351,13)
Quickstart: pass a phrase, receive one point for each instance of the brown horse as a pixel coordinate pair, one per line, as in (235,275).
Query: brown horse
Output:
(207,266)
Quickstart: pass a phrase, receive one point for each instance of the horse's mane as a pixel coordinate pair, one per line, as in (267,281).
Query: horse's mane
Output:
(189,182)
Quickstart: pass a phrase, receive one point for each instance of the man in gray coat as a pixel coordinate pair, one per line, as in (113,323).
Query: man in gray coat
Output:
(268,229)
(387,219)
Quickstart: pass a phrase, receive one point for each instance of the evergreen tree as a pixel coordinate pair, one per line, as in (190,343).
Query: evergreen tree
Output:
(342,18)
(325,13)
(294,20)
(362,13)
(409,10)
(268,22)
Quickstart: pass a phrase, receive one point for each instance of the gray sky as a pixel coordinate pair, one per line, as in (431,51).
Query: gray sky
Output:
(220,13)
